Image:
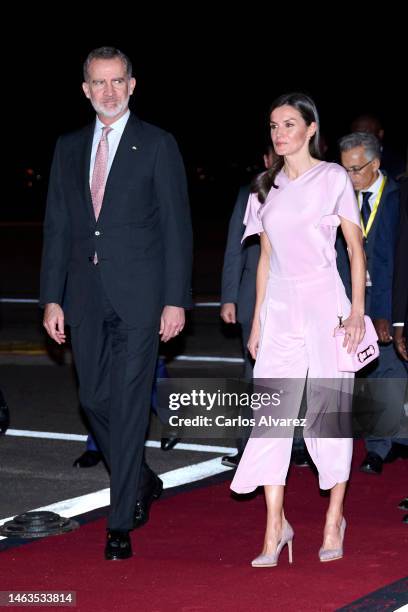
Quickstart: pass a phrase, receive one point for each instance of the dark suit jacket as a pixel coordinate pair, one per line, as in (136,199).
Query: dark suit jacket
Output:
(143,234)
(240,263)
(379,248)
(400,288)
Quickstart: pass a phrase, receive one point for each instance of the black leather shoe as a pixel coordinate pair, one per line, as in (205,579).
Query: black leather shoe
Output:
(142,508)
(372,464)
(169,443)
(231,460)
(392,455)
(404,504)
(4,415)
(118,545)
(88,459)
(398,451)
(301,459)
(324,492)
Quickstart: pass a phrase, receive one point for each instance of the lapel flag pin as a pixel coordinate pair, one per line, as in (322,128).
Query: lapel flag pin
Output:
(134,148)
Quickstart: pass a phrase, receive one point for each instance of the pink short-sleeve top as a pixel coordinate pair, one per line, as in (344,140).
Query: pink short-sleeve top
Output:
(300,218)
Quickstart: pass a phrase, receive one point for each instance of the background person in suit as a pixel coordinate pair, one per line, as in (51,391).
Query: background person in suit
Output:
(378,198)
(400,294)
(4,414)
(238,295)
(392,162)
(238,289)
(116,267)
(400,286)
(91,456)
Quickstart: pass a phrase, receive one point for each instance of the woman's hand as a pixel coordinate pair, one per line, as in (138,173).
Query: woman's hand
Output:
(253,342)
(354,328)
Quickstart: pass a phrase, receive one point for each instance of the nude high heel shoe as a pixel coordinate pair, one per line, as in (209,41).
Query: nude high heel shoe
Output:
(331,554)
(272,560)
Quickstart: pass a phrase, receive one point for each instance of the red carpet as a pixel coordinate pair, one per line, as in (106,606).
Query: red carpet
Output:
(194,554)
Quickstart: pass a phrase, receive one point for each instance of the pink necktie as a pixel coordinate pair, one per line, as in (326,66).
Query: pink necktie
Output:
(100,172)
(99,175)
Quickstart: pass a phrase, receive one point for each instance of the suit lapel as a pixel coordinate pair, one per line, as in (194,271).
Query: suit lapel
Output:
(85,160)
(380,212)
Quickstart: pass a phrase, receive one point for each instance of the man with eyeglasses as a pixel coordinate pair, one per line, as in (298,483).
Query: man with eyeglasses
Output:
(378,197)
(391,160)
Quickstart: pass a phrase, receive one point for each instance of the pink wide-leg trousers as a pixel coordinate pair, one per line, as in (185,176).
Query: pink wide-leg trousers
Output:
(297,347)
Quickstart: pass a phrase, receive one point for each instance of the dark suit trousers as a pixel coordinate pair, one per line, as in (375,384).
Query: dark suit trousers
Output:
(245,411)
(389,395)
(116,366)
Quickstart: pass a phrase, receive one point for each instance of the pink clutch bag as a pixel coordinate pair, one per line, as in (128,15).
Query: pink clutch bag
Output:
(366,351)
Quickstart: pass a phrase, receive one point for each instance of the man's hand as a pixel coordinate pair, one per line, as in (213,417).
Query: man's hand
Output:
(382,327)
(228,312)
(172,322)
(400,342)
(54,322)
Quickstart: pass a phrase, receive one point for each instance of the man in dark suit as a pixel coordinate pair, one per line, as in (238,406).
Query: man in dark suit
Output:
(378,198)
(116,267)
(392,162)
(238,295)
(400,287)
(4,414)
(238,289)
(400,294)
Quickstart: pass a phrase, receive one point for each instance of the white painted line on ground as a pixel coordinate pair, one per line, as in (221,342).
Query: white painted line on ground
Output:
(18,301)
(207,304)
(200,448)
(191,473)
(50,435)
(74,506)
(100,499)
(209,358)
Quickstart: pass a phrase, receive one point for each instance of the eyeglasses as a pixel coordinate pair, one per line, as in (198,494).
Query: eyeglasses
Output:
(357,169)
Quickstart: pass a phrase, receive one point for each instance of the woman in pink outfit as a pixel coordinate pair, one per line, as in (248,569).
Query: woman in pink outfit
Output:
(296,207)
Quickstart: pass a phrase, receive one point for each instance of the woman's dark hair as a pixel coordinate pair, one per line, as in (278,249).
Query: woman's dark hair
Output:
(263,183)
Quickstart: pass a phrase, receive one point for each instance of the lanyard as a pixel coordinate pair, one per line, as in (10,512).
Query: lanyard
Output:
(374,209)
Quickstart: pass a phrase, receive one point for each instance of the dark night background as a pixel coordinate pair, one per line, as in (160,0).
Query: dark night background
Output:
(210,82)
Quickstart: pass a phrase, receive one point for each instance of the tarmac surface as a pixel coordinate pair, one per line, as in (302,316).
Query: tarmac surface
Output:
(38,380)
